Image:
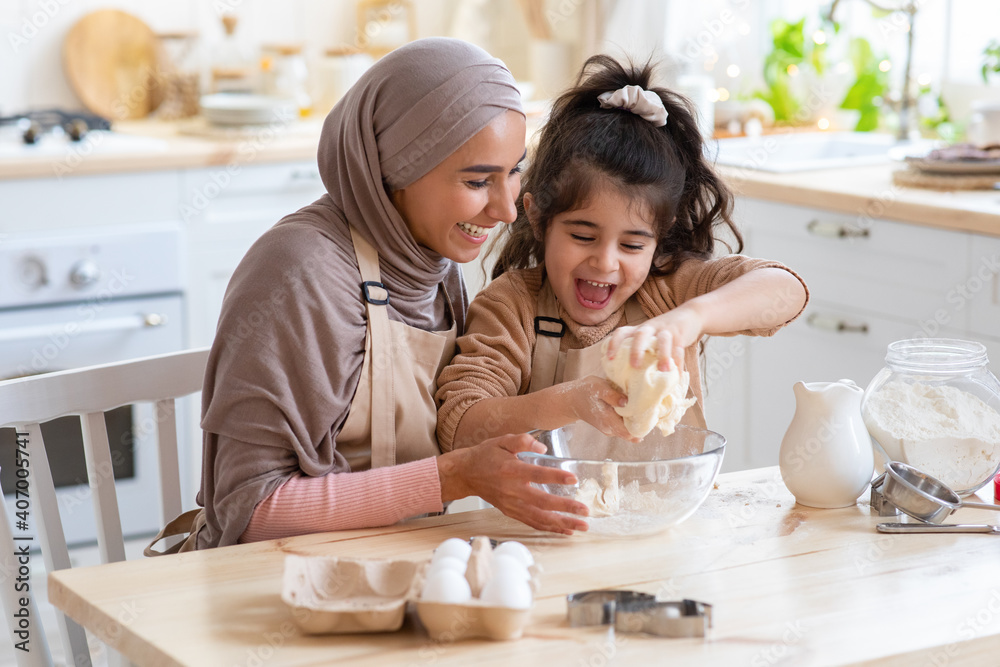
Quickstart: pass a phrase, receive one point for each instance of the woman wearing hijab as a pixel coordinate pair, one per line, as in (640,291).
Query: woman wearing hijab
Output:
(318,410)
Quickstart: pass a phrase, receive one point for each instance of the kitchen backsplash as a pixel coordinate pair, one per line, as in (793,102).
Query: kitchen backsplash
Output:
(731,36)
(31,68)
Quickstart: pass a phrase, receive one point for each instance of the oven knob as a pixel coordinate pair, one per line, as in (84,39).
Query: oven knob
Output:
(84,273)
(32,272)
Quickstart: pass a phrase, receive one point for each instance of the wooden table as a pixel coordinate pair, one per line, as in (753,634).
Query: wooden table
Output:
(790,585)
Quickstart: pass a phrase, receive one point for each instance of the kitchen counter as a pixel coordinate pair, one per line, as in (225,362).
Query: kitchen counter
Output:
(180,145)
(788,585)
(869,193)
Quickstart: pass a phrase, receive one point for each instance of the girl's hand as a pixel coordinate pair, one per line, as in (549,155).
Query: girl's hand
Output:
(592,399)
(670,333)
(492,471)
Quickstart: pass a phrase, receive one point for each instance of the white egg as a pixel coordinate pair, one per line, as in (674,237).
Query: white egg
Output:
(506,590)
(447,563)
(507,564)
(446,586)
(454,548)
(517,550)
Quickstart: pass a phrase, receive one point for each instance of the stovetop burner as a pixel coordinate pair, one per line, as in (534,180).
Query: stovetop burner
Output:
(75,124)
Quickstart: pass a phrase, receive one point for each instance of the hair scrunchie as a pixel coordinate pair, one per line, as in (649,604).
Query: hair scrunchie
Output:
(643,103)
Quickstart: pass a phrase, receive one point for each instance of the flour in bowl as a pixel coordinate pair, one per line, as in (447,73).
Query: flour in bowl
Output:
(942,430)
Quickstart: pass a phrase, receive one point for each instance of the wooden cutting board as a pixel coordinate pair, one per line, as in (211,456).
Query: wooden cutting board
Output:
(111,59)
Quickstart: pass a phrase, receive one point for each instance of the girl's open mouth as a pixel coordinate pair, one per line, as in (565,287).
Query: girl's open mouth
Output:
(593,295)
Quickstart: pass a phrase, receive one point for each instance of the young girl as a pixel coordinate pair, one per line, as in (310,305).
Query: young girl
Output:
(614,237)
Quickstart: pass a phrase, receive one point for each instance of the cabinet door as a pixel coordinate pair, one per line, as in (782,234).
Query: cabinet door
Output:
(724,384)
(979,293)
(225,213)
(875,266)
(825,344)
(41,204)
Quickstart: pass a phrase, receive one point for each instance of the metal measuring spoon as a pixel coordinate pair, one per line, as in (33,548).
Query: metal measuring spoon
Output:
(921,496)
(938,528)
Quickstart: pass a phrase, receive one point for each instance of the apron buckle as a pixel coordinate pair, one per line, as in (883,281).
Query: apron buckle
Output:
(546,326)
(375,293)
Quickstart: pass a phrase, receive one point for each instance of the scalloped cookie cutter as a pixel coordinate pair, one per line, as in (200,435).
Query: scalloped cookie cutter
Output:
(631,611)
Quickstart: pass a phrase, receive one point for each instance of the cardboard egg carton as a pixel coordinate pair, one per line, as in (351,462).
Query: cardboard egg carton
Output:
(339,595)
(333,595)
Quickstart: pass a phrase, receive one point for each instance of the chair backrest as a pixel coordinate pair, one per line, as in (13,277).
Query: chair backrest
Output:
(25,403)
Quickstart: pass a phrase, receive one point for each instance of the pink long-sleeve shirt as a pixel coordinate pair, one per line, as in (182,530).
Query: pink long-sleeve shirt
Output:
(342,501)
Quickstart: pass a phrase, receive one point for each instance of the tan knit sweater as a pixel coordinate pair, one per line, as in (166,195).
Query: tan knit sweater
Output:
(495,353)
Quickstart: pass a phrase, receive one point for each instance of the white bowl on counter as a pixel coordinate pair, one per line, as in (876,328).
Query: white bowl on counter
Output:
(231,109)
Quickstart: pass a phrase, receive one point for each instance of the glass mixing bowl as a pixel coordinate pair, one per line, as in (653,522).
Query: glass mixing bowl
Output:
(632,488)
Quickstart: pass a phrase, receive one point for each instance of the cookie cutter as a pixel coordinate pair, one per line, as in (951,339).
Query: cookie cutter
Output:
(880,505)
(599,607)
(631,611)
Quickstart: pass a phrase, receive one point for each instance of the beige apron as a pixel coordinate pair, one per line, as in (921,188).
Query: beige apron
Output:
(551,365)
(399,374)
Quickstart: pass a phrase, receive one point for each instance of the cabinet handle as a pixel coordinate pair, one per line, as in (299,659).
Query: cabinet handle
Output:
(305,175)
(836,230)
(835,324)
(124,323)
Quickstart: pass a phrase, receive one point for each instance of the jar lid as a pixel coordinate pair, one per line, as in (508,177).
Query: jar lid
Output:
(335,51)
(936,355)
(177,35)
(283,49)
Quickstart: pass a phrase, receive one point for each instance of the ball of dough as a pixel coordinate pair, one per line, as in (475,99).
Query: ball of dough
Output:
(655,397)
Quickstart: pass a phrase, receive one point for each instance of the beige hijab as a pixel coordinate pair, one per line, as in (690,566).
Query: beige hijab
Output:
(288,350)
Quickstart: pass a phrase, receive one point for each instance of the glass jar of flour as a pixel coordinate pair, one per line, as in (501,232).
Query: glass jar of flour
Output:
(936,406)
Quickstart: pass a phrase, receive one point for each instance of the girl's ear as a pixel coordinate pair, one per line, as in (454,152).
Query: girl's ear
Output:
(534,216)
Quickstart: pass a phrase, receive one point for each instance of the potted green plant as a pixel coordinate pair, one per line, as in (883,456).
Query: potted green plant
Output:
(991,60)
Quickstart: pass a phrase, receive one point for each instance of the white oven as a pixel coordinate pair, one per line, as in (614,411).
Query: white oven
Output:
(82,297)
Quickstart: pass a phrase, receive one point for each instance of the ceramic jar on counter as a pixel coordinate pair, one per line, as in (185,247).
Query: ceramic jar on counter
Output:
(826,454)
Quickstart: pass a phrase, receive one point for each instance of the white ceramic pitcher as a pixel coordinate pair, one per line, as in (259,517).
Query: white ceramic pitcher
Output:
(826,455)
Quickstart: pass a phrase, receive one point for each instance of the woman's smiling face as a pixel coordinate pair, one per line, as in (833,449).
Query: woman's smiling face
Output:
(597,256)
(452,208)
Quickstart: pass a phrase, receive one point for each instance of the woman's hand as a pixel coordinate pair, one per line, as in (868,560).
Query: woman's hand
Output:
(492,471)
(670,333)
(591,399)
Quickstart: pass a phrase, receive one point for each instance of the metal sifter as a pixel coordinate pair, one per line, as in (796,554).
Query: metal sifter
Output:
(921,496)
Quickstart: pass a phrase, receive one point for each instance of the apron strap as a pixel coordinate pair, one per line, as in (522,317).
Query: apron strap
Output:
(383,430)
(188,523)
(633,313)
(546,362)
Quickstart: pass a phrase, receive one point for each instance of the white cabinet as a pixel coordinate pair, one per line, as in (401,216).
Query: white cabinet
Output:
(725,387)
(871,282)
(978,294)
(226,210)
(42,205)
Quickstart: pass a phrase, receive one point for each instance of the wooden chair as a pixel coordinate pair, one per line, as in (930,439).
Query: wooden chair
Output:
(88,392)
